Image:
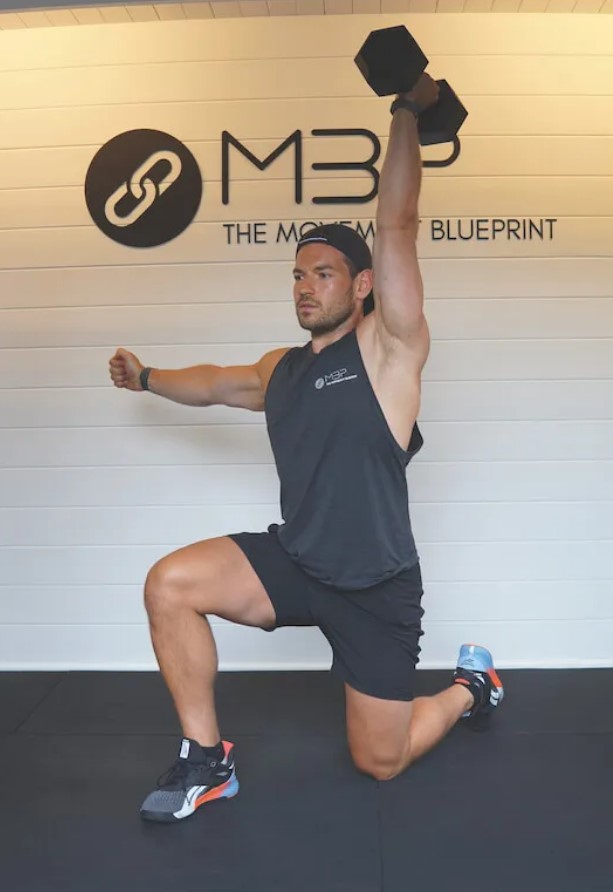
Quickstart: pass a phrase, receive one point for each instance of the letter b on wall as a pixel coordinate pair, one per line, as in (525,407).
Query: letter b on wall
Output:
(143,188)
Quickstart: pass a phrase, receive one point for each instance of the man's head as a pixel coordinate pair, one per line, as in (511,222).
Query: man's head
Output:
(332,278)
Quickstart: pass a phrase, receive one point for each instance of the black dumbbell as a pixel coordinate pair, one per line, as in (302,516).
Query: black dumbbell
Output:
(392,62)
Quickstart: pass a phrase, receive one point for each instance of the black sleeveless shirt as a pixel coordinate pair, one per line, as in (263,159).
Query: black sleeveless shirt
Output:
(344,498)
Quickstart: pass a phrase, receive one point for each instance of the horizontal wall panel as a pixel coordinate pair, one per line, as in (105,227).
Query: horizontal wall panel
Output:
(449,561)
(209,242)
(527,440)
(219,444)
(81,565)
(507,481)
(441,401)
(537,645)
(265,39)
(129,647)
(449,361)
(545,644)
(72,605)
(183,324)
(519,521)
(248,444)
(530,560)
(148,525)
(450,602)
(266,119)
(432,522)
(480,156)
(246,485)
(89,327)
(515,197)
(508,401)
(277,79)
(515,360)
(172,484)
(145,285)
(85,407)
(443,602)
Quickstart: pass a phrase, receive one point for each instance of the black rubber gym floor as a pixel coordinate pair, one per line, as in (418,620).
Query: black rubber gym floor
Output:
(527,805)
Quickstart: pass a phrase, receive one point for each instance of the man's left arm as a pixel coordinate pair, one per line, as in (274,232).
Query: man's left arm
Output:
(397,280)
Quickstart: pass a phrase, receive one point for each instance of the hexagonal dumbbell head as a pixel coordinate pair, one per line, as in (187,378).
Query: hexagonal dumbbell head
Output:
(391,60)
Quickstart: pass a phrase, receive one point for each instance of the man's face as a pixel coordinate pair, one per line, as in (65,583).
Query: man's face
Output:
(323,289)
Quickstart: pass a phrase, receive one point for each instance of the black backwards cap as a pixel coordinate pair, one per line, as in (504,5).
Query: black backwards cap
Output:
(344,239)
(348,242)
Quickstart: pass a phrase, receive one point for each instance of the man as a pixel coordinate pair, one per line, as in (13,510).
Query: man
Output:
(341,414)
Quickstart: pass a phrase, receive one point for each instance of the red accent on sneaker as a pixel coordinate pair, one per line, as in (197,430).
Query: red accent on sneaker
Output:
(492,674)
(213,793)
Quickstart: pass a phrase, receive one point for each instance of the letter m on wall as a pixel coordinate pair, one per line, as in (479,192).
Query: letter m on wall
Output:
(228,140)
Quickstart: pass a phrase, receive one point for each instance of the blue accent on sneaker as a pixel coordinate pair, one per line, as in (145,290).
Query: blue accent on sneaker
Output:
(232,788)
(476,659)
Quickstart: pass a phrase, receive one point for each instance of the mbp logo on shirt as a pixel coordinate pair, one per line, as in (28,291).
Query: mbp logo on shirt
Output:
(143,188)
(336,377)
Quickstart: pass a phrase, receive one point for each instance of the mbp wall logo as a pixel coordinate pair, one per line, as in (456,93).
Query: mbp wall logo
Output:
(143,188)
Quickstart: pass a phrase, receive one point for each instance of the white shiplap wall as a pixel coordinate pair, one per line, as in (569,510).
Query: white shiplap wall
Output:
(513,492)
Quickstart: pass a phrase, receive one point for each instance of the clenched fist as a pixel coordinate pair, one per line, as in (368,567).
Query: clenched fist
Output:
(425,92)
(125,370)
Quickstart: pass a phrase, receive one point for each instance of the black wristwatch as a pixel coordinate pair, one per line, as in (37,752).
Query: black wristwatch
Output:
(409,104)
(144,378)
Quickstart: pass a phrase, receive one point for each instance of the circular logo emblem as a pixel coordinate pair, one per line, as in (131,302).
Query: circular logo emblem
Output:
(143,188)
(319,383)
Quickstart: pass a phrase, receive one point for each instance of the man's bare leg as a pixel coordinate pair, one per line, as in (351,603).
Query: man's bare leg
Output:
(208,577)
(386,736)
(187,656)
(433,718)
(211,577)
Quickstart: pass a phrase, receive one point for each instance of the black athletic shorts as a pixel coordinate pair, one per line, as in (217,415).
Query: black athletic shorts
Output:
(374,633)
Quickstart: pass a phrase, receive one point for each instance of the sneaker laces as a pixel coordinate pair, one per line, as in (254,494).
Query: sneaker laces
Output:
(177,776)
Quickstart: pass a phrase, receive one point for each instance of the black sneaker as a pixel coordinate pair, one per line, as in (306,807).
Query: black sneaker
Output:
(193,780)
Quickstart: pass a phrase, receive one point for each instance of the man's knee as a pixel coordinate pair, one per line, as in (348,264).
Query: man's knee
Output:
(383,765)
(165,586)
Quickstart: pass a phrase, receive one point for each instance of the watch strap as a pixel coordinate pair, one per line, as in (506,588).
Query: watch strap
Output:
(144,378)
(409,104)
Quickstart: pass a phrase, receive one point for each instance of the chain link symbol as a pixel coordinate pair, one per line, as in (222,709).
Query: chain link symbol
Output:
(142,188)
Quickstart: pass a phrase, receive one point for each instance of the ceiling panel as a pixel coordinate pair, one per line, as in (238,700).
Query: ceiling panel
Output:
(254,7)
(366,7)
(34,19)
(61,17)
(49,13)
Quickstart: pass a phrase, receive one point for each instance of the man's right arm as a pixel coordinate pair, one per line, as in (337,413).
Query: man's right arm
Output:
(202,385)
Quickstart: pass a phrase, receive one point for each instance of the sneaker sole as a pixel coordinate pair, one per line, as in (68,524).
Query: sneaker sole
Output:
(223,791)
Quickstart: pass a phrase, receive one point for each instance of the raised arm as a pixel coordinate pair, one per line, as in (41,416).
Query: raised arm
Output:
(397,280)
(242,386)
